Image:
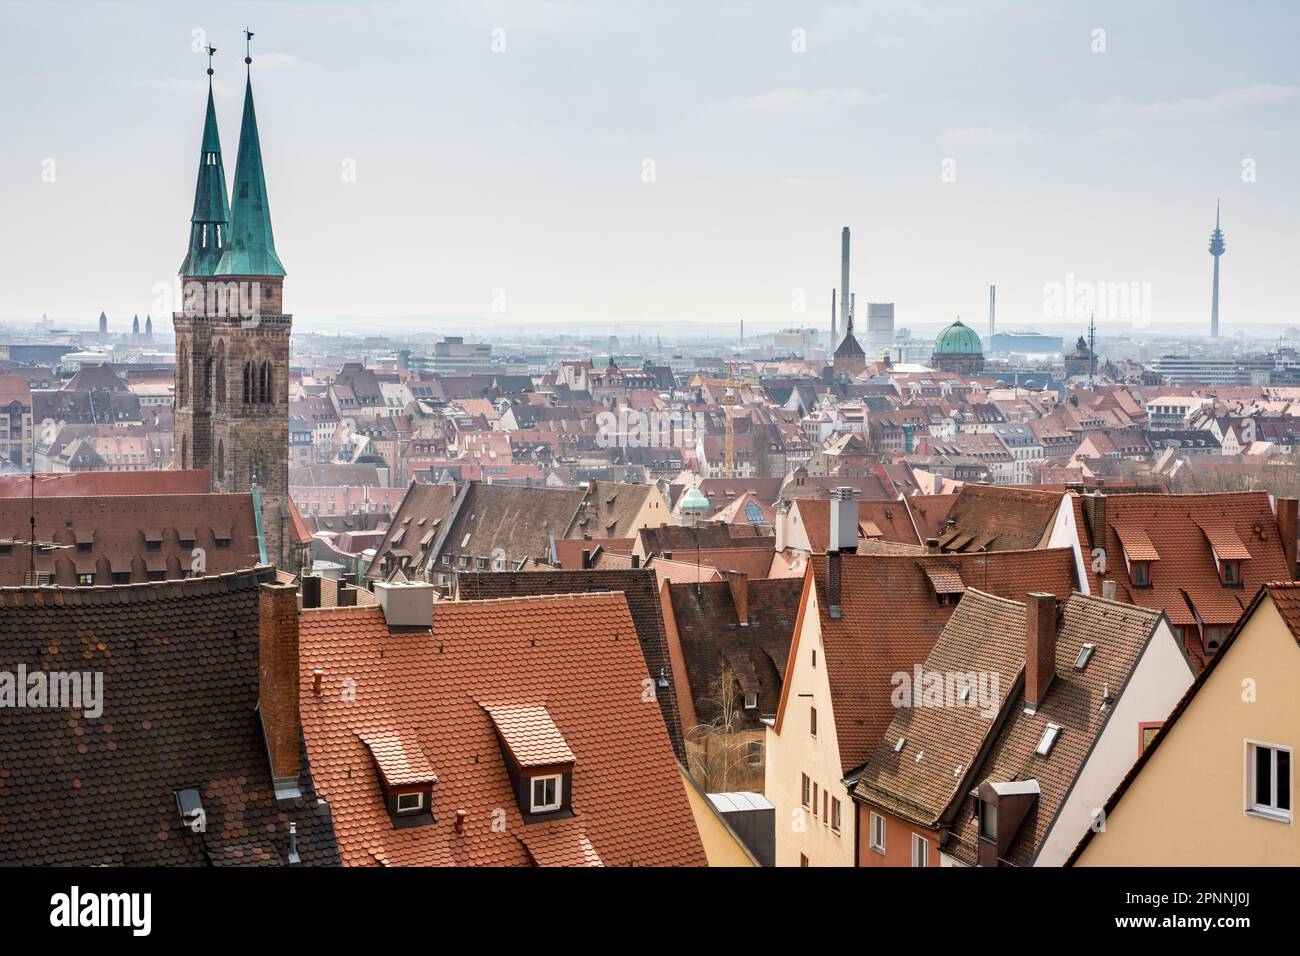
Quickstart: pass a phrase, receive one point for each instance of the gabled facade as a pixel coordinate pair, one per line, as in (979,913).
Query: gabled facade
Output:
(859,624)
(1235,734)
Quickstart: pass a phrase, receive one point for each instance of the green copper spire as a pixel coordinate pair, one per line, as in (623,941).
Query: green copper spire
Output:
(251,251)
(210,224)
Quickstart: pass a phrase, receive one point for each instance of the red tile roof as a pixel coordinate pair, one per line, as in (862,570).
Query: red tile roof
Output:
(78,484)
(575,655)
(1171,529)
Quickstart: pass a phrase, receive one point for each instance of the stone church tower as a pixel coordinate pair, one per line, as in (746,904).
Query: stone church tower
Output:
(232,336)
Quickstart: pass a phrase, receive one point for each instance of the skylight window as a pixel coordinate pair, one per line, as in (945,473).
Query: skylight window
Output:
(898,747)
(1048,741)
(1085,655)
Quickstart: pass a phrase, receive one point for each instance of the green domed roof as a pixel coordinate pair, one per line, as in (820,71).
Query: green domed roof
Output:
(694,500)
(957,339)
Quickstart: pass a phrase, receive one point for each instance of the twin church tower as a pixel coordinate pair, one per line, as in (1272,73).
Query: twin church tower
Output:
(232,335)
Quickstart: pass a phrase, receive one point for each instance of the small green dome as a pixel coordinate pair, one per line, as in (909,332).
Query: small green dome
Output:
(694,500)
(957,339)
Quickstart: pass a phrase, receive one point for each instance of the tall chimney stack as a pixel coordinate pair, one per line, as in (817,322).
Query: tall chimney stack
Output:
(1040,647)
(277,690)
(844,276)
(993,310)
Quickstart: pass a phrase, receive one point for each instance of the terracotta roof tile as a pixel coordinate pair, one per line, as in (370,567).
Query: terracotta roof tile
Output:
(640,588)
(530,735)
(576,654)
(1185,583)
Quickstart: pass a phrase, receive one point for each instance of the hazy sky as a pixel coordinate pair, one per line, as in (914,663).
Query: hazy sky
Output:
(521,173)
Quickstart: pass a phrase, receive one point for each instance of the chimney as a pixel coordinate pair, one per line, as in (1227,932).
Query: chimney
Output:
(1286,527)
(932,545)
(1040,647)
(460,820)
(844,522)
(277,688)
(311,591)
(1094,513)
(406,605)
(346,596)
(779,518)
(834,584)
(317,676)
(738,581)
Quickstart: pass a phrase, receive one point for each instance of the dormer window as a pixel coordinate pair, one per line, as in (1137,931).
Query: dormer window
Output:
(406,778)
(1231,574)
(1140,572)
(538,760)
(410,802)
(546,793)
(751,701)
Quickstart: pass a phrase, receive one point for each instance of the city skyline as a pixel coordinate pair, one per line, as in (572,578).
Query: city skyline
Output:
(527,203)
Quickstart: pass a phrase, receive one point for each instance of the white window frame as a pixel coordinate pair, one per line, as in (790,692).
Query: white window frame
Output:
(921,859)
(751,701)
(877,822)
(534,806)
(1266,811)
(419,802)
(754,753)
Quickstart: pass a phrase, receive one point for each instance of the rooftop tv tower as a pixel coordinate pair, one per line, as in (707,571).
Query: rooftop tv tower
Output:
(1216,250)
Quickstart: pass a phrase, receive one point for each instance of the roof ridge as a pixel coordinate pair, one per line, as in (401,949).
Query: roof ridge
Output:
(110,593)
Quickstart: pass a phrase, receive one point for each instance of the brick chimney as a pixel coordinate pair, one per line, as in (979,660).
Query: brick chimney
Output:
(1040,647)
(738,581)
(1094,513)
(277,688)
(1286,527)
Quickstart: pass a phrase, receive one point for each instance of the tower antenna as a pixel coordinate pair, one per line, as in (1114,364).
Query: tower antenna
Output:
(248,47)
(1217,248)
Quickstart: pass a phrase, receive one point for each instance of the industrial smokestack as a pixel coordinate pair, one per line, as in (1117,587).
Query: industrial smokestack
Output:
(993,310)
(844,276)
(853,306)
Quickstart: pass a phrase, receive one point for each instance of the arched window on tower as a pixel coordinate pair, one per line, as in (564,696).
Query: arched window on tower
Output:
(207,377)
(265,381)
(183,378)
(219,396)
(221,460)
(248,382)
(185,452)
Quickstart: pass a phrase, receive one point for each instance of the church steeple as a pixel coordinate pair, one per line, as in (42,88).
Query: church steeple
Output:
(251,251)
(210,223)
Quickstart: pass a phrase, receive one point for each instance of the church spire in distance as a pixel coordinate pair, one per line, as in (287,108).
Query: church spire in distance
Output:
(210,223)
(251,250)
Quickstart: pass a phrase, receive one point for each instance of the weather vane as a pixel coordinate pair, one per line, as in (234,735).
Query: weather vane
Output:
(211,50)
(248,46)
